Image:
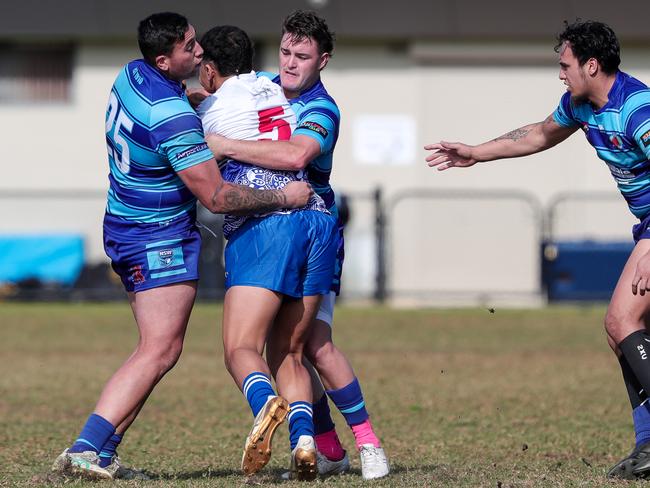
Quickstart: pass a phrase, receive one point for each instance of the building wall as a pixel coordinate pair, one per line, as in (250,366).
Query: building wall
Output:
(457,245)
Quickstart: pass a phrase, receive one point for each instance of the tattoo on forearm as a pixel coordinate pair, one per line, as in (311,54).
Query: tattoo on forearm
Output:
(515,135)
(241,200)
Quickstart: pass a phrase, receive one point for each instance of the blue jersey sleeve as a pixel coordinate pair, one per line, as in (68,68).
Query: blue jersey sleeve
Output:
(637,124)
(179,137)
(267,74)
(320,119)
(563,114)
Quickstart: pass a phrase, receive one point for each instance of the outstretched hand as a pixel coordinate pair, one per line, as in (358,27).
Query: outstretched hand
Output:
(445,155)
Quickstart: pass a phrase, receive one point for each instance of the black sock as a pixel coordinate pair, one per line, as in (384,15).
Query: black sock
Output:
(634,389)
(636,349)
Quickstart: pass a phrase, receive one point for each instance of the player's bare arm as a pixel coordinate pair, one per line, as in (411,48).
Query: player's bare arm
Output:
(218,196)
(293,155)
(529,139)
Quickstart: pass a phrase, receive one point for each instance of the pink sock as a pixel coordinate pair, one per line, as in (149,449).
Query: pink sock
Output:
(363,434)
(328,445)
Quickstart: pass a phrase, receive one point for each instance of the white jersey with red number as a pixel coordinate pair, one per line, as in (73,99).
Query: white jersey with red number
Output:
(249,108)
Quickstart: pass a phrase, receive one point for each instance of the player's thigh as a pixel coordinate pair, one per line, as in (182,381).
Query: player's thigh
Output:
(248,313)
(320,338)
(293,323)
(162,313)
(626,312)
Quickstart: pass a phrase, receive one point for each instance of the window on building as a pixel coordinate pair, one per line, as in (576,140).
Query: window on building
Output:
(35,72)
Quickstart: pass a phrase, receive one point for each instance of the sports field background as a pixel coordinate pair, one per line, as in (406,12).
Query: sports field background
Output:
(459,397)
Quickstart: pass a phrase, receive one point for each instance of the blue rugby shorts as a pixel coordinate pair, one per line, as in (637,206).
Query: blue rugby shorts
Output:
(641,230)
(148,256)
(293,254)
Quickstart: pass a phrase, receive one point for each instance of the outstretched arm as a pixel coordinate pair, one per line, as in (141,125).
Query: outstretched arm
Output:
(205,182)
(293,155)
(526,140)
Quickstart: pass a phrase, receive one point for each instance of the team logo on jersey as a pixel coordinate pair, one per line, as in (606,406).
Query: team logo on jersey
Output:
(166,257)
(319,129)
(135,275)
(585,127)
(645,139)
(616,141)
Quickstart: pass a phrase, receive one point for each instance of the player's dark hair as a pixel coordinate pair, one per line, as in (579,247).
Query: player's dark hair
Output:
(158,33)
(591,39)
(229,48)
(304,24)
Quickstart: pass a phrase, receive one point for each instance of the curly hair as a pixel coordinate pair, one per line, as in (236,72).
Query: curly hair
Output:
(229,48)
(158,33)
(304,24)
(590,39)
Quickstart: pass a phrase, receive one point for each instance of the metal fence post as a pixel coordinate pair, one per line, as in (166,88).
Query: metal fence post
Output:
(380,239)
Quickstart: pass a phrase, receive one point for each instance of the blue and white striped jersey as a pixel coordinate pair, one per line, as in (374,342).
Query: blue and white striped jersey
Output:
(152,132)
(620,133)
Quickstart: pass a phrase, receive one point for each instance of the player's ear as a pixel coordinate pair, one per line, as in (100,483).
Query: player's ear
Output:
(324,58)
(162,63)
(592,66)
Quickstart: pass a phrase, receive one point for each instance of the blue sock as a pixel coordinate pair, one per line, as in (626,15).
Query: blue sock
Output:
(94,435)
(300,421)
(109,450)
(641,417)
(322,417)
(257,388)
(349,401)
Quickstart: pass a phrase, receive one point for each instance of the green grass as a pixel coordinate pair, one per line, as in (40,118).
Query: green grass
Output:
(460,398)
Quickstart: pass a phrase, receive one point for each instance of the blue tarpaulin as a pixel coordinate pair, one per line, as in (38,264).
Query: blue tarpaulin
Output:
(50,258)
(583,270)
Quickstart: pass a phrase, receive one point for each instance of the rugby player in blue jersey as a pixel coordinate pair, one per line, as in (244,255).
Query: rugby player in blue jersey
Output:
(305,50)
(613,110)
(159,166)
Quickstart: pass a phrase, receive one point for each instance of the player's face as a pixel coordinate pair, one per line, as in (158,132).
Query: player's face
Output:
(572,74)
(185,58)
(300,64)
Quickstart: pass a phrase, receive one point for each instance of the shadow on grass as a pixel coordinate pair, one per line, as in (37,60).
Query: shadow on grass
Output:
(193,475)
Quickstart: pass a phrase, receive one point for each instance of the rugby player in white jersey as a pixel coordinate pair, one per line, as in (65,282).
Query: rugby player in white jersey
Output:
(305,49)
(278,265)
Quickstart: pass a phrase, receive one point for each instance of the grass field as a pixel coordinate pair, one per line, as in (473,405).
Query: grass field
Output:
(460,398)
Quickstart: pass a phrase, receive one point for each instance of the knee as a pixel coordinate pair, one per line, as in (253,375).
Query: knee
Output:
(617,326)
(319,354)
(164,356)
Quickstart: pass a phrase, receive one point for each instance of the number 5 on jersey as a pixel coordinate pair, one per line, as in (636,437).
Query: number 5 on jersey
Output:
(268,123)
(121,122)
